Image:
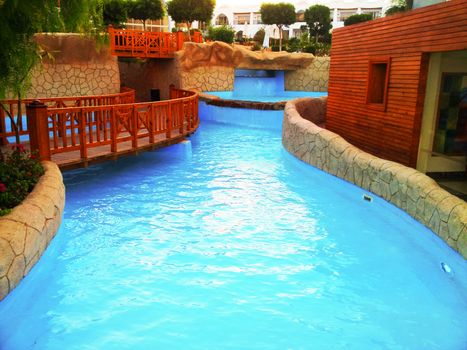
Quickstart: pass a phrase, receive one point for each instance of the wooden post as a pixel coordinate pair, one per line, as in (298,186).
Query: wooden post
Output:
(134,126)
(169,120)
(82,135)
(180,40)
(3,140)
(172,92)
(38,128)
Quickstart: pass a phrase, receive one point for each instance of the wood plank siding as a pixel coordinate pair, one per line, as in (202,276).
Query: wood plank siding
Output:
(390,130)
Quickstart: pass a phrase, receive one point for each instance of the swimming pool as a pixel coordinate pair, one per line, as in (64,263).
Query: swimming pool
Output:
(282,96)
(261,85)
(228,242)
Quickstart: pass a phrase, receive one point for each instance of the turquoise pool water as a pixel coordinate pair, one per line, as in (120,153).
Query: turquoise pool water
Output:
(263,86)
(282,96)
(228,242)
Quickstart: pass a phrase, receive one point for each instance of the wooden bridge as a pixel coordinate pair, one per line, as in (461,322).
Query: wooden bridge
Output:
(142,44)
(74,131)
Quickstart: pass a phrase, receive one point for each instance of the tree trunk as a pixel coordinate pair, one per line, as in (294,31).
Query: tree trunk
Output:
(280,37)
(188,25)
(144,24)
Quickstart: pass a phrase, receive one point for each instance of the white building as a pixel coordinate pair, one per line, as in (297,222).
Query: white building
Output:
(243,15)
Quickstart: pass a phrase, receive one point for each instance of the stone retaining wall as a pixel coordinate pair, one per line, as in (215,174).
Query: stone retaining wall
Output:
(407,188)
(77,68)
(211,67)
(314,77)
(26,232)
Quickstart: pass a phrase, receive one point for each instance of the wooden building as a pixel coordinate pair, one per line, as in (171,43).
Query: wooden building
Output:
(398,86)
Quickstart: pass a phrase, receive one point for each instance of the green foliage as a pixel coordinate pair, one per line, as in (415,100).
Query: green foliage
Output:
(222,33)
(317,49)
(399,6)
(187,11)
(81,16)
(256,47)
(281,14)
(318,19)
(115,12)
(239,36)
(19,172)
(358,18)
(259,36)
(294,45)
(146,9)
(21,19)
(395,9)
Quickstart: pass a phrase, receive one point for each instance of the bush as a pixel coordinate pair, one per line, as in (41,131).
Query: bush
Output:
(222,33)
(259,36)
(395,9)
(275,48)
(19,172)
(359,18)
(294,45)
(256,47)
(319,49)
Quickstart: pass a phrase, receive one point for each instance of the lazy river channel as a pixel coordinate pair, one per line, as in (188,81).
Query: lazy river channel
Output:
(228,242)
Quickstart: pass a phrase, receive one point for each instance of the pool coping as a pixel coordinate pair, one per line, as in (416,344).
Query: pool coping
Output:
(26,232)
(410,190)
(218,101)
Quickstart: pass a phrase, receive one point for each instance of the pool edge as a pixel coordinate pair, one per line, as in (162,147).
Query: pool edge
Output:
(410,190)
(26,232)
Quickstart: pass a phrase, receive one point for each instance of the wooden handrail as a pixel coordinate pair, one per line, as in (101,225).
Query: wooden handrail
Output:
(126,95)
(143,44)
(82,128)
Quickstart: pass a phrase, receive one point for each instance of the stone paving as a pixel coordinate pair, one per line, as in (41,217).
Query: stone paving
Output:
(407,188)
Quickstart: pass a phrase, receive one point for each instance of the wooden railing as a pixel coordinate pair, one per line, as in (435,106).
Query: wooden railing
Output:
(6,130)
(110,129)
(142,44)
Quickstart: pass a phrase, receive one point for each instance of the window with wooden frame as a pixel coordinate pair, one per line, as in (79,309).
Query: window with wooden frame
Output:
(378,82)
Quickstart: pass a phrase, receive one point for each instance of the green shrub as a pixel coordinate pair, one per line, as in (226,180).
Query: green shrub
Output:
(359,18)
(19,172)
(222,33)
(317,49)
(396,9)
(259,36)
(294,45)
(275,48)
(256,47)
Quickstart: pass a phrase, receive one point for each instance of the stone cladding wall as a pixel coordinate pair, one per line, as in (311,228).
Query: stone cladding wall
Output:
(314,77)
(208,78)
(211,67)
(78,68)
(26,232)
(407,188)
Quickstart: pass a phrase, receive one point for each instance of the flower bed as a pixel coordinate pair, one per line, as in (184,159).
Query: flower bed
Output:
(26,231)
(19,173)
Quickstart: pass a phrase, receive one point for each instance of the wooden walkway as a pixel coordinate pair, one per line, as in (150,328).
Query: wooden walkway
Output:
(142,44)
(76,136)
(72,160)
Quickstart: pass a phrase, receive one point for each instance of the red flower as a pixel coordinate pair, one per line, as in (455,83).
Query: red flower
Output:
(2,187)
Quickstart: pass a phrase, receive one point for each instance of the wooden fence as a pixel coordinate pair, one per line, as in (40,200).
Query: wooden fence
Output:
(80,133)
(143,44)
